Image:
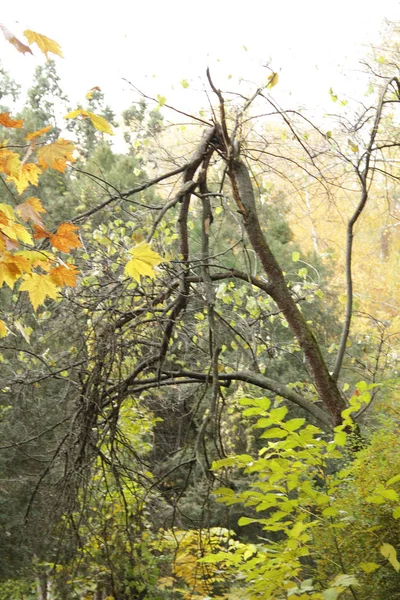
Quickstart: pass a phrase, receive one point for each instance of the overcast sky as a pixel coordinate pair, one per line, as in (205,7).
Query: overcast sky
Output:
(313,44)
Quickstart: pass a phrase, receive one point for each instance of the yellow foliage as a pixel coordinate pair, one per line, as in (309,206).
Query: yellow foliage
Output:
(56,155)
(143,262)
(45,44)
(39,287)
(98,122)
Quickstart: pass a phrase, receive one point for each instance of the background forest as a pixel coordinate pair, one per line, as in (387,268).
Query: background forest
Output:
(199,342)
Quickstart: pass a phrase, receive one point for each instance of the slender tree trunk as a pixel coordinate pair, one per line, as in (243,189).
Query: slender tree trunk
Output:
(327,388)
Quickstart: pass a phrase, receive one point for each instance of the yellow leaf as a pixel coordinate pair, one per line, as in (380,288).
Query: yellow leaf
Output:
(45,44)
(3,329)
(38,133)
(10,163)
(143,262)
(353,147)
(10,37)
(27,174)
(22,234)
(12,268)
(8,122)
(56,155)
(389,552)
(98,122)
(39,287)
(272,80)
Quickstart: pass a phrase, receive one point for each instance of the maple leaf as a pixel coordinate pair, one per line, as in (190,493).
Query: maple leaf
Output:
(3,329)
(64,275)
(45,44)
(143,262)
(28,174)
(12,267)
(6,120)
(39,287)
(38,133)
(65,239)
(56,155)
(29,210)
(10,37)
(10,163)
(98,122)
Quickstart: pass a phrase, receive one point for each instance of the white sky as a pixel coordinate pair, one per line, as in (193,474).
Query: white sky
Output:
(314,44)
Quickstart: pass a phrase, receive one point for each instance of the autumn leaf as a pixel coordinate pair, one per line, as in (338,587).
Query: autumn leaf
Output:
(38,133)
(64,275)
(10,163)
(29,210)
(389,552)
(56,155)
(39,287)
(45,44)
(65,238)
(12,267)
(6,120)
(272,80)
(10,37)
(89,95)
(98,122)
(27,175)
(143,262)
(3,329)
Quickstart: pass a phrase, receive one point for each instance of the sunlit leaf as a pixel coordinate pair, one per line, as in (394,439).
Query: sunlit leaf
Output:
(389,552)
(45,44)
(38,133)
(3,329)
(64,276)
(6,120)
(98,122)
(30,209)
(143,262)
(39,287)
(56,155)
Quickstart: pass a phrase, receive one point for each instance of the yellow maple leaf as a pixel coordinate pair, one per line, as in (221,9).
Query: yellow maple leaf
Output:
(27,175)
(98,122)
(12,267)
(56,155)
(39,287)
(45,44)
(3,329)
(143,262)
(29,210)
(64,275)
(6,121)
(272,80)
(10,37)
(10,163)
(38,133)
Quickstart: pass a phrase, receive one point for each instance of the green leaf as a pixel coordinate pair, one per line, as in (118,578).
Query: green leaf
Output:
(277,414)
(344,580)
(161,100)
(294,424)
(396,513)
(184,83)
(331,594)
(369,567)
(389,552)
(295,256)
(340,438)
(393,480)
(246,521)
(274,432)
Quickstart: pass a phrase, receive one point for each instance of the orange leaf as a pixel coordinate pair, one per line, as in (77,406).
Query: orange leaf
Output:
(30,209)
(40,232)
(10,163)
(39,132)
(10,37)
(56,155)
(64,275)
(6,120)
(65,239)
